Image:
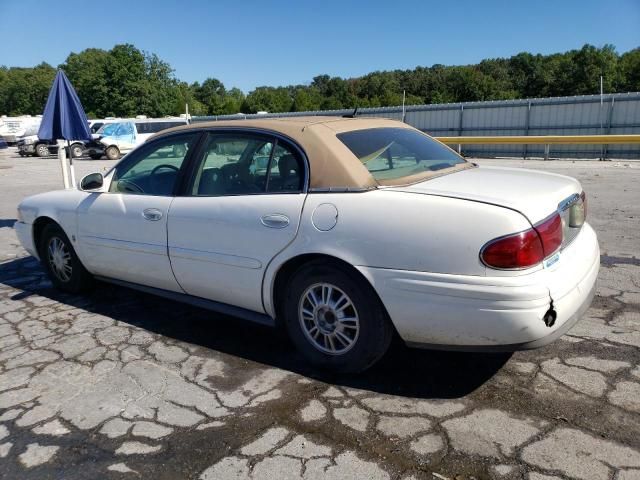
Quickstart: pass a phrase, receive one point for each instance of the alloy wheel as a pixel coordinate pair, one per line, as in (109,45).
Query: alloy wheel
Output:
(328,318)
(59,259)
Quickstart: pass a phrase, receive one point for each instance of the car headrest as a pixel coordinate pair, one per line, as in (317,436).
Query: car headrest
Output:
(286,165)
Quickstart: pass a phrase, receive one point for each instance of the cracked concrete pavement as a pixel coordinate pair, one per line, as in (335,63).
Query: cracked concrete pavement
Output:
(117,384)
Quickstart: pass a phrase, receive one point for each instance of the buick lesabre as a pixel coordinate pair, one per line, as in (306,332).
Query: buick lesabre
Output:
(345,231)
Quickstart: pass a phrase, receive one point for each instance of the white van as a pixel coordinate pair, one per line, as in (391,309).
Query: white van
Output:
(119,138)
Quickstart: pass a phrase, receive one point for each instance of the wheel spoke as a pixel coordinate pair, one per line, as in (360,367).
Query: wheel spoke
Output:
(333,346)
(341,303)
(326,294)
(346,341)
(348,322)
(311,296)
(314,332)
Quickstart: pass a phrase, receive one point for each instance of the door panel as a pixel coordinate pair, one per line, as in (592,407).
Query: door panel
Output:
(118,241)
(123,233)
(220,246)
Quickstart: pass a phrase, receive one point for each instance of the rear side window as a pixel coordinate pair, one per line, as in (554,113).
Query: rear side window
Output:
(393,153)
(246,164)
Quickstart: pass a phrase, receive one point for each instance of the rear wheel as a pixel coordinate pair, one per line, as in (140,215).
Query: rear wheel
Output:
(335,318)
(42,150)
(61,262)
(112,153)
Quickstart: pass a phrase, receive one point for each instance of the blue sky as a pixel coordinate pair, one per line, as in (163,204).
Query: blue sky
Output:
(248,43)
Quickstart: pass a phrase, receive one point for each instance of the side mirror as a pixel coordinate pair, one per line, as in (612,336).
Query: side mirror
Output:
(93,181)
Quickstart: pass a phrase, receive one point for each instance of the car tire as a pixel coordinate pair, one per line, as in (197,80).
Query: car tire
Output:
(42,150)
(96,156)
(352,329)
(77,150)
(60,261)
(112,153)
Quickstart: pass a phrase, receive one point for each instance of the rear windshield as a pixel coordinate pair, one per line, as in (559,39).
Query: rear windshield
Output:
(393,153)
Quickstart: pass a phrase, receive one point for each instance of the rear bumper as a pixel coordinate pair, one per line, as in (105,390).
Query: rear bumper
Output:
(24,232)
(473,313)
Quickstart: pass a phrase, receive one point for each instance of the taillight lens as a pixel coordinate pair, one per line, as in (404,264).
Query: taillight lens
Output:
(520,250)
(550,232)
(524,249)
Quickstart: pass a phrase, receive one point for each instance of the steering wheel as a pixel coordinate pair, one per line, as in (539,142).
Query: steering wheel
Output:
(164,165)
(125,186)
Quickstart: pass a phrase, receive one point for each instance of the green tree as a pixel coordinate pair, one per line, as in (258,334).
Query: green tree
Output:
(25,90)
(629,71)
(269,99)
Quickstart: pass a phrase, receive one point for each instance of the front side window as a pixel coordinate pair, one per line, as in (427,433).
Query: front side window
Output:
(393,153)
(153,169)
(242,164)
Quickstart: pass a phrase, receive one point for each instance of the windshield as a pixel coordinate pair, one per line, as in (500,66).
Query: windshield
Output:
(116,129)
(393,153)
(107,129)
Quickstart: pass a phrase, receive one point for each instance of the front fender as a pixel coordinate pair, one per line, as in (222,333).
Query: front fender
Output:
(59,205)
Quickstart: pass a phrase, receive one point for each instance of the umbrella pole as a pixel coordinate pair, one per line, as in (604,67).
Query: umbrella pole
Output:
(73,171)
(63,165)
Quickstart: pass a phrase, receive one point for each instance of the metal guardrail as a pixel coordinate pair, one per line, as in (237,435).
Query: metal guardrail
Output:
(545,140)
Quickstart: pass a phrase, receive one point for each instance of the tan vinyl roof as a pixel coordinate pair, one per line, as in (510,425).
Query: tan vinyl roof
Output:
(332,164)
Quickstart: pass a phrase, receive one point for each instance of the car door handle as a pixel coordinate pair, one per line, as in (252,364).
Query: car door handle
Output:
(152,214)
(275,220)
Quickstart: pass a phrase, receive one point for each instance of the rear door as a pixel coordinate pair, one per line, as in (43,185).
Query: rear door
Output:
(241,208)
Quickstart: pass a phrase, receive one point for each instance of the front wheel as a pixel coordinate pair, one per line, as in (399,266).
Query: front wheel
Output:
(112,153)
(61,262)
(335,318)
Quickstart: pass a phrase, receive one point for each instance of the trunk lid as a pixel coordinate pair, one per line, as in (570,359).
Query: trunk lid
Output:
(533,193)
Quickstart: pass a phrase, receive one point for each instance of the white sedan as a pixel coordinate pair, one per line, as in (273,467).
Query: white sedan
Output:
(343,230)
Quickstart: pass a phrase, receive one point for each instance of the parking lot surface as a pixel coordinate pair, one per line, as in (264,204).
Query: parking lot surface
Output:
(118,384)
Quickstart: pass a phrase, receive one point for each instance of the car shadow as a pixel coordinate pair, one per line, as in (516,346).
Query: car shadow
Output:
(403,371)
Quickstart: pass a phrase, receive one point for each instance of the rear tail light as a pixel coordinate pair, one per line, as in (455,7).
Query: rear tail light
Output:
(524,249)
(550,232)
(520,250)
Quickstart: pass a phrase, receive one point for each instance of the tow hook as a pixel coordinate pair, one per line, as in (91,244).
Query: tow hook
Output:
(550,317)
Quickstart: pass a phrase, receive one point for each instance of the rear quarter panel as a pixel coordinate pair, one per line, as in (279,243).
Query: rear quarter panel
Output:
(399,230)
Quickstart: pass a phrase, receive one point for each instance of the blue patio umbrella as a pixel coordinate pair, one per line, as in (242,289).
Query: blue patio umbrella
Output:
(64,117)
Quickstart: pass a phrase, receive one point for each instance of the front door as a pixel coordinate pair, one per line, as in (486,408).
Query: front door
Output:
(123,231)
(241,208)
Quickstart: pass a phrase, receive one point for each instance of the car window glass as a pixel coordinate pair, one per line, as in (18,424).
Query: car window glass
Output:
(153,170)
(237,164)
(287,171)
(392,153)
(123,129)
(233,165)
